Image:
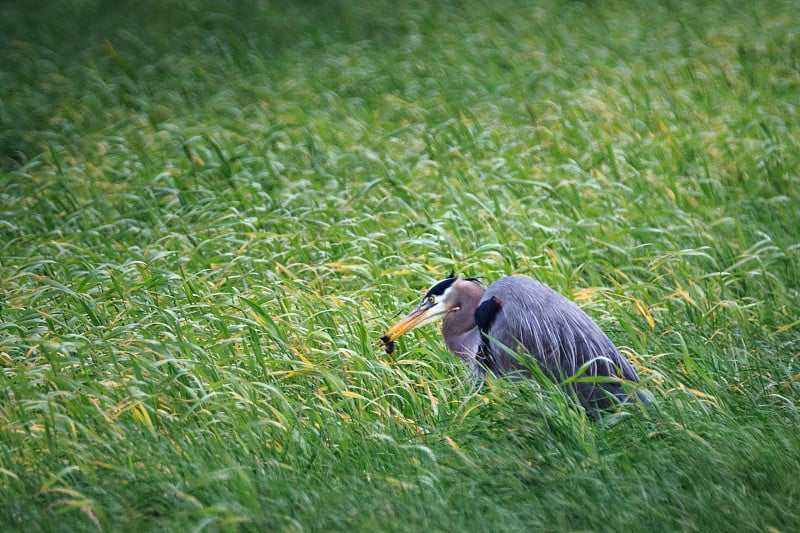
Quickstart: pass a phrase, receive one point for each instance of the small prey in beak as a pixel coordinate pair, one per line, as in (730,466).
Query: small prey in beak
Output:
(388,345)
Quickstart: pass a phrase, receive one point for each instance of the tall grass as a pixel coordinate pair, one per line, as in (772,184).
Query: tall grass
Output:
(210,211)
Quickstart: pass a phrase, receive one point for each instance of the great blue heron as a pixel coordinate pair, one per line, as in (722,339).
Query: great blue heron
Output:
(517,322)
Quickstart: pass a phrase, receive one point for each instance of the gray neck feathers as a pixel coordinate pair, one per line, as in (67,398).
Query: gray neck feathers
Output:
(459,329)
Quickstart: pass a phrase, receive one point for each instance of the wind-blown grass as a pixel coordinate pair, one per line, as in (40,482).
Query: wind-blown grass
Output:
(210,211)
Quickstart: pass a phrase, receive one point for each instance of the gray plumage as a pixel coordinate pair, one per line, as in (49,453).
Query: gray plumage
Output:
(517,322)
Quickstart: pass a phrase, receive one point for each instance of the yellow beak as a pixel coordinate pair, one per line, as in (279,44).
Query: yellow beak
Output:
(415,319)
(423,314)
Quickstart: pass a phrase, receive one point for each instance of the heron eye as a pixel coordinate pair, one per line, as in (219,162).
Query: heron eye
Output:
(431,299)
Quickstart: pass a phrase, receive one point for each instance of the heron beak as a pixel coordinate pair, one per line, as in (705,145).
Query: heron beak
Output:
(420,316)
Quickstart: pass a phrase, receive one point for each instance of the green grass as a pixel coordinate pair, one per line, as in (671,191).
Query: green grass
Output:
(209,211)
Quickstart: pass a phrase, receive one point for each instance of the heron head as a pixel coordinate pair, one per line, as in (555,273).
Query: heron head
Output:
(440,299)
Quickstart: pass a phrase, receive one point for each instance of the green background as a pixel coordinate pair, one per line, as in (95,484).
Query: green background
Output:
(211,210)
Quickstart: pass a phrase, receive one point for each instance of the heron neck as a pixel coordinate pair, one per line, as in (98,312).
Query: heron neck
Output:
(459,328)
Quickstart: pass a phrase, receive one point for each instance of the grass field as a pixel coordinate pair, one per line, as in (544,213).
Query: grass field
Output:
(209,212)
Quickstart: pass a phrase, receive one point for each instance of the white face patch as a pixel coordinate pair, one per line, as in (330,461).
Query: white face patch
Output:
(431,299)
(438,292)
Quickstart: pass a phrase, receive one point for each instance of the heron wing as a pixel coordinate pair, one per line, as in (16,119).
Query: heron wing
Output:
(537,322)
